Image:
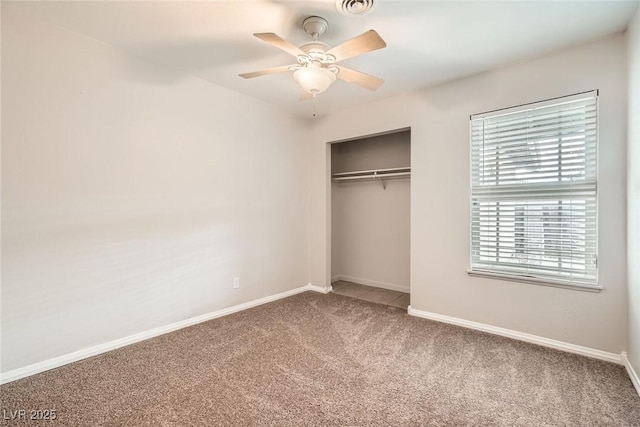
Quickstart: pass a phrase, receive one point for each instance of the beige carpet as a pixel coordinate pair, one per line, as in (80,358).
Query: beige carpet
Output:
(315,359)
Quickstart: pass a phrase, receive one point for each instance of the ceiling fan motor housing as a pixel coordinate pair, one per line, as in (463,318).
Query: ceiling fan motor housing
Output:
(315,52)
(314,47)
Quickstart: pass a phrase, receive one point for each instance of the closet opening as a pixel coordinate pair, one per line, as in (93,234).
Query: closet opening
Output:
(370,217)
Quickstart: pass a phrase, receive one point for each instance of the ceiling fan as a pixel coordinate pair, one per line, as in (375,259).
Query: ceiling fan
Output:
(316,69)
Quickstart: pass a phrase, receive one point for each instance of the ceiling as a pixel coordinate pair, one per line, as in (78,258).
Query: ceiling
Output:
(428,42)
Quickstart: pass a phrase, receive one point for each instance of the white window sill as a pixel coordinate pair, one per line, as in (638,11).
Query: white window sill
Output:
(535,281)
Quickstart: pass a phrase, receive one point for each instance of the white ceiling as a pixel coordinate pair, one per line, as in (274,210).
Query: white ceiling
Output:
(428,42)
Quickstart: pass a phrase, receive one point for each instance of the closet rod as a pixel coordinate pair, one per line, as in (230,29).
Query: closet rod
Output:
(372,176)
(404,169)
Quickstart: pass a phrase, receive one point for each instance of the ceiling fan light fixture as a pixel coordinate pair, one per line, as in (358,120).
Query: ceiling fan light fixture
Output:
(355,7)
(314,79)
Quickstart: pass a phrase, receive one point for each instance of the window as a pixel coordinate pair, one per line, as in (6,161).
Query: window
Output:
(533,192)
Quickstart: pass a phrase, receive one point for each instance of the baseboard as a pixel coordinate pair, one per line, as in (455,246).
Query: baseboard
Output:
(635,380)
(521,336)
(75,356)
(374,283)
(321,289)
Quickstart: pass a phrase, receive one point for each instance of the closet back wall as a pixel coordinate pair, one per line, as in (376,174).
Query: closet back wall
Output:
(370,225)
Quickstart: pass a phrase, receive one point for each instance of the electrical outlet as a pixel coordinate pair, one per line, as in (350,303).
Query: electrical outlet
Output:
(236,282)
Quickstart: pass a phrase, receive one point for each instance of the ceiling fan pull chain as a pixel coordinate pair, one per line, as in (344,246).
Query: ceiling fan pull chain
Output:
(314,105)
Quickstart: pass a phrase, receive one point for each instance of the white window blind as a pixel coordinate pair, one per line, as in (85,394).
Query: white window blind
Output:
(534,191)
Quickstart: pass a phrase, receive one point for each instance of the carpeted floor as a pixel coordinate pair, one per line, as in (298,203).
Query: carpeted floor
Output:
(315,359)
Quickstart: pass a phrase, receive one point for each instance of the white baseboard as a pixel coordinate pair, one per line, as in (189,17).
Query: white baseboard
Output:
(521,336)
(321,289)
(374,283)
(635,380)
(65,359)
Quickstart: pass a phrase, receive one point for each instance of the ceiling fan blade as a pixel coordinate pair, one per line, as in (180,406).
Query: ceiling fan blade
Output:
(280,43)
(361,79)
(365,42)
(281,69)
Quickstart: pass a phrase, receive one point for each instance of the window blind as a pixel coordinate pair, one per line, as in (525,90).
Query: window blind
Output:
(534,191)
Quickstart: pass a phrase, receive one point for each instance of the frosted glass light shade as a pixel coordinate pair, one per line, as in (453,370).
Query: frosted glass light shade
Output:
(314,79)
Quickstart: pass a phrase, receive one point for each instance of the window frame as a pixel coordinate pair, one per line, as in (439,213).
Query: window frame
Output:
(499,272)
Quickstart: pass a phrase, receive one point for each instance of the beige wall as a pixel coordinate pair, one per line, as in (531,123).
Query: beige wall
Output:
(633,192)
(130,198)
(439,121)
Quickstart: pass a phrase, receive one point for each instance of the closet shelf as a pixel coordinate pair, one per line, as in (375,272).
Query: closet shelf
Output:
(376,174)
